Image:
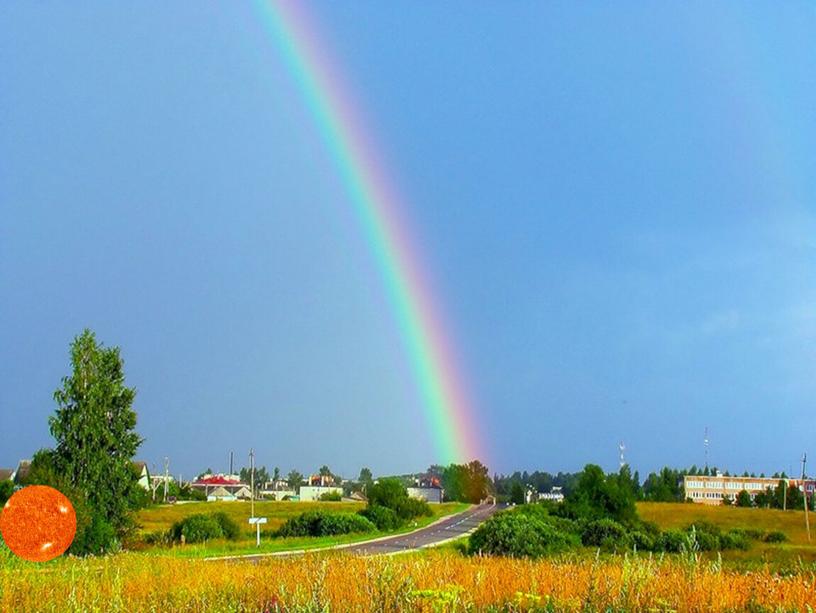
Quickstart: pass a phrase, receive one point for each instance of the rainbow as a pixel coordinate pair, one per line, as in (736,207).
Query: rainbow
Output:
(378,208)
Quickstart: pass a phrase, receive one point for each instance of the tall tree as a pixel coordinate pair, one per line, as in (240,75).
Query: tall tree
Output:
(517,493)
(478,481)
(744,499)
(294,478)
(95,430)
(366,478)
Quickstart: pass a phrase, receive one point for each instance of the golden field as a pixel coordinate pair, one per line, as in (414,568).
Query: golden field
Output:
(432,581)
(792,523)
(161,517)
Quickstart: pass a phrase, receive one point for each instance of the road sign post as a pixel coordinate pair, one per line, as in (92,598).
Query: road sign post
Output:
(257,521)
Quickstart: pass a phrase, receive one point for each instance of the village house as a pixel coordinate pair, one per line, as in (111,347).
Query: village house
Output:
(428,488)
(222,487)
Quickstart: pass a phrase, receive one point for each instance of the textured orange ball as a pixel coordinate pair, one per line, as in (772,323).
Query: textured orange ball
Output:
(38,523)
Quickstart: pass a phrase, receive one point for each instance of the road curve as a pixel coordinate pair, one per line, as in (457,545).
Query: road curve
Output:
(446,529)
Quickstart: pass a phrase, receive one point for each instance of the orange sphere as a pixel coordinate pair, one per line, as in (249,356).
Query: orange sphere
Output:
(38,523)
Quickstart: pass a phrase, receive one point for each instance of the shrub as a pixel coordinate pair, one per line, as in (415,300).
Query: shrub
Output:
(203,527)
(382,517)
(734,539)
(387,493)
(6,490)
(518,535)
(409,508)
(229,527)
(671,541)
(345,523)
(97,537)
(706,541)
(159,537)
(320,523)
(749,533)
(775,537)
(605,533)
(196,528)
(544,513)
(642,541)
(331,497)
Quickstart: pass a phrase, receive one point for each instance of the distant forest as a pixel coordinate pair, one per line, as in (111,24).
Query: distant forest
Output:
(663,486)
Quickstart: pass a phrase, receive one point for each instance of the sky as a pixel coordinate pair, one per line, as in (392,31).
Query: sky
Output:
(615,205)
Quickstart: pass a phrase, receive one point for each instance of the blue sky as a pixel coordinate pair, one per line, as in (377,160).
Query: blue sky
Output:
(616,203)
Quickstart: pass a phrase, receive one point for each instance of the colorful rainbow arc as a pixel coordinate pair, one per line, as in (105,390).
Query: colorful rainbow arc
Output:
(377,207)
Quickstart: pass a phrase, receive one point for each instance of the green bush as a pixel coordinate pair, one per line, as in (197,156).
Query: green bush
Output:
(387,493)
(159,537)
(749,533)
(96,537)
(642,541)
(384,518)
(6,490)
(671,541)
(320,523)
(331,497)
(518,535)
(734,539)
(345,523)
(229,527)
(203,527)
(197,528)
(409,508)
(707,541)
(607,534)
(775,537)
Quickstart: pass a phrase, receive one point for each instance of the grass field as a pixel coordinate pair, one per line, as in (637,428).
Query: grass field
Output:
(792,523)
(431,581)
(160,518)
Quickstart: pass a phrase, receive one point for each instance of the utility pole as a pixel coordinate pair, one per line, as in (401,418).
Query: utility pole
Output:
(254,520)
(785,495)
(166,475)
(804,491)
(252,482)
(154,483)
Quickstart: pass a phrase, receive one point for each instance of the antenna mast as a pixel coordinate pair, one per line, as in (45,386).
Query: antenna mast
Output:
(622,449)
(705,444)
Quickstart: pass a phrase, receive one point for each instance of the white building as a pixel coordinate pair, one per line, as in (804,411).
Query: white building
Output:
(428,494)
(555,494)
(314,492)
(278,494)
(711,489)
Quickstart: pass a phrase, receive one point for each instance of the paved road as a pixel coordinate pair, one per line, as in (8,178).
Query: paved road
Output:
(448,528)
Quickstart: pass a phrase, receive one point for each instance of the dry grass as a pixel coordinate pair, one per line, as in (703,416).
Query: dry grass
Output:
(791,523)
(680,515)
(162,517)
(435,581)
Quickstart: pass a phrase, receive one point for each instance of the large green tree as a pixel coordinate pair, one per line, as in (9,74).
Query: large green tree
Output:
(744,499)
(366,478)
(600,496)
(95,430)
(294,478)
